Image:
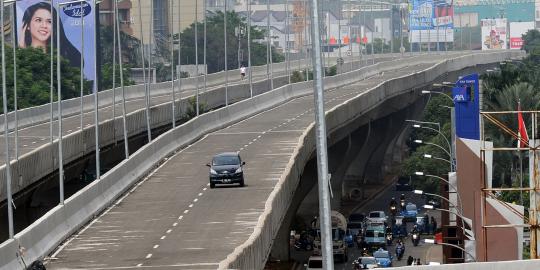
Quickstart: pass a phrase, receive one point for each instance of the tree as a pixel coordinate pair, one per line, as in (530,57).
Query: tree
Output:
(33,78)
(215,44)
(130,49)
(531,42)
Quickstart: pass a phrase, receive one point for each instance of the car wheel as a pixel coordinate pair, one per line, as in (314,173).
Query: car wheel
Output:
(212,185)
(242,182)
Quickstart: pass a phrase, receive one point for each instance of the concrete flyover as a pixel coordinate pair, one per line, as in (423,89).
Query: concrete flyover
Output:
(171,219)
(39,158)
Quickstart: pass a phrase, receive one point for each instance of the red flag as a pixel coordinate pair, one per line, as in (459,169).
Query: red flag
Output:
(522,133)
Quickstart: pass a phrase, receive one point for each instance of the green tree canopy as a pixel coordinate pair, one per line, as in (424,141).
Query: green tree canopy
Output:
(33,78)
(215,43)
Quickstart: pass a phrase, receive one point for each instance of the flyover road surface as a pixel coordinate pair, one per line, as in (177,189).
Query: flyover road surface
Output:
(34,136)
(173,220)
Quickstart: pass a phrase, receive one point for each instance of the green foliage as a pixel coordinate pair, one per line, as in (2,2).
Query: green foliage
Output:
(191,110)
(434,112)
(33,78)
(107,76)
(130,49)
(331,71)
(215,45)
(297,76)
(531,42)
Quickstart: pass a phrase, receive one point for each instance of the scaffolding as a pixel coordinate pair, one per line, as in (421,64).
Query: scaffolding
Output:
(532,147)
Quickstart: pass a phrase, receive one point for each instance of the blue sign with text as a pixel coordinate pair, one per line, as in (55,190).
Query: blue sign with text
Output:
(467,108)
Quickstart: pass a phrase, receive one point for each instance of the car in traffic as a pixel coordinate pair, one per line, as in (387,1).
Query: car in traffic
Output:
(404,184)
(375,236)
(410,212)
(365,263)
(377,216)
(226,168)
(383,258)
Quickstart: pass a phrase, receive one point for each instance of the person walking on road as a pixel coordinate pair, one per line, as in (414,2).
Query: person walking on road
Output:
(410,260)
(242,72)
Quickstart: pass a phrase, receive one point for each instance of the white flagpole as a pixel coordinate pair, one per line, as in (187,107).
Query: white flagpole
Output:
(59,88)
(126,142)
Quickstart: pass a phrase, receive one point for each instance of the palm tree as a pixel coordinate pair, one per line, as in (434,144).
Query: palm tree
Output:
(507,100)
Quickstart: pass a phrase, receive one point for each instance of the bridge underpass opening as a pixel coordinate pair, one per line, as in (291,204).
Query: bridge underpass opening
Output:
(364,158)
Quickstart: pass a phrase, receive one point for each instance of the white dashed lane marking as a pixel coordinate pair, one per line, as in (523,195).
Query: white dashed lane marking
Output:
(149,255)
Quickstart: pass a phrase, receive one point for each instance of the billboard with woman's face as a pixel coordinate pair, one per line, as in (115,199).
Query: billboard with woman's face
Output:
(36,26)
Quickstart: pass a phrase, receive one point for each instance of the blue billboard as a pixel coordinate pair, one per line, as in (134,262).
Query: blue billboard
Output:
(36,25)
(434,18)
(468,109)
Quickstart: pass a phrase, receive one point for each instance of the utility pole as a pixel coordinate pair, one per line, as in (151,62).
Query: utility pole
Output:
(322,158)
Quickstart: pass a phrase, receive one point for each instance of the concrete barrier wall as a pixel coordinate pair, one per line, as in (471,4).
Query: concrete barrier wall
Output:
(504,265)
(41,114)
(49,231)
(253,253)
(43,160)
(70,107)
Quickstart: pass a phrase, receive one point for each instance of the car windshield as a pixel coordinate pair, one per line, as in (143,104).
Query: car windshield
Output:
(374,215)
(225,160)
(337,234)
(381,254)
(368,261)
(410,207)
(356,217)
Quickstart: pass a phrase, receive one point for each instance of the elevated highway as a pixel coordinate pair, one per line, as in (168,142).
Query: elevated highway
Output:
(38,157)
(171,219)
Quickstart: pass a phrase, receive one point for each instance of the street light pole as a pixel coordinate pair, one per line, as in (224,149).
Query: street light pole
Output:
(431,241)
(6,129)
(225,47)
(322,157)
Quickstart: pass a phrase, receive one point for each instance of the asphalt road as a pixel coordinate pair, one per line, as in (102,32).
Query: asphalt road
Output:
(173,220)
(381,203)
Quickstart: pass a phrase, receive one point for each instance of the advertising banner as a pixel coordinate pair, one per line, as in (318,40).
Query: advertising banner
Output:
(36,25)
(494,34)
(431,20)
(517,30)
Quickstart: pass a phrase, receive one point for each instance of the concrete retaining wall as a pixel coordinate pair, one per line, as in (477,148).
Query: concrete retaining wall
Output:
(49,231)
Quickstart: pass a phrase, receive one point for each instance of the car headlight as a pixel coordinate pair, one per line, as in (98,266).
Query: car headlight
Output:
(212,171)
(239,170)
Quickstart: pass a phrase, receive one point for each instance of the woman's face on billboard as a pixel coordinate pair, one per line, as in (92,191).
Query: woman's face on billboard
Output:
(40,27)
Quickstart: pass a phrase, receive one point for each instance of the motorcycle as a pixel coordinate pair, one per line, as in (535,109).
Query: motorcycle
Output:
(389,239)
(415,238)
(393,210)
(399,253)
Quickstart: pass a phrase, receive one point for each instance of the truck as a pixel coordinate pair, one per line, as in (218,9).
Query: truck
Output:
(339,228)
